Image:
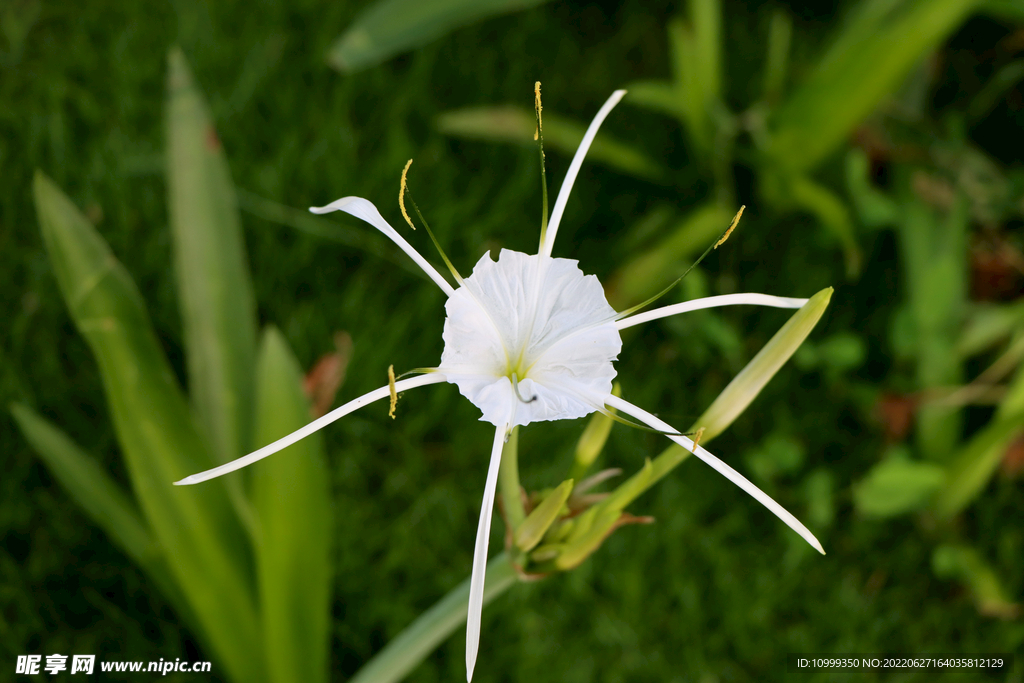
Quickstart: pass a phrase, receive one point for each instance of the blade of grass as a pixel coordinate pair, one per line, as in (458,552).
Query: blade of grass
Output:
(195,526)
(217,306)
(291,497)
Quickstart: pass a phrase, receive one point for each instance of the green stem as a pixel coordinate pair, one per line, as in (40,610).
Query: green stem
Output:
(420,638)
(508,480)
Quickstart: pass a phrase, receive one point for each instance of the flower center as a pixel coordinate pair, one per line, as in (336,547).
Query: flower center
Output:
(530,338)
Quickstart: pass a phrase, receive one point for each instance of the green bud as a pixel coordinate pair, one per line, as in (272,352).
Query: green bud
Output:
(580,547)
(537,523)
(593,439)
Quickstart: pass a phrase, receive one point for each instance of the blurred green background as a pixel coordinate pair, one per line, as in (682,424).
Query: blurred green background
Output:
(878,148)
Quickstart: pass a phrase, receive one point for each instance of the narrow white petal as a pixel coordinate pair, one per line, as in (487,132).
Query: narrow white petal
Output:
(729,473)
(365,210)
(711,302)
(315,425)
(483,537)
(574,169)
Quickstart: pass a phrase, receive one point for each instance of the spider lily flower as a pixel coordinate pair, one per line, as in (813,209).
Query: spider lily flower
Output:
(527,338)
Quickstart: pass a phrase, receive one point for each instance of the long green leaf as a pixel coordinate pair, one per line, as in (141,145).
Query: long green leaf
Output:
(392,26)
(217,307)
(933,249)
(291,497)
(868,62)
(734,399)
(97,494)
(745,387)
(973,467)
(196,526)
(696,61)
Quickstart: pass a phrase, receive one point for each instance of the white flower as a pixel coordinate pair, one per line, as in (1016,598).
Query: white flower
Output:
(527,338)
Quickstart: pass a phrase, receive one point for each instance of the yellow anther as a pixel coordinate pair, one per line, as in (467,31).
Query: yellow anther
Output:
(700,432)
(391,387)
(401,199)
(732,226)
(539,108)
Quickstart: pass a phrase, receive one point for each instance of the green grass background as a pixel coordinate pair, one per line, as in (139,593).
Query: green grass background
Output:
(716,590)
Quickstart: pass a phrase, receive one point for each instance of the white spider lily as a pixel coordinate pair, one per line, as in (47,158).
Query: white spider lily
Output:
(527,338)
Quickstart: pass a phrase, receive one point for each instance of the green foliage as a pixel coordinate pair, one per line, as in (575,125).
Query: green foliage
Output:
(714,588)
(198,544)
(898,485)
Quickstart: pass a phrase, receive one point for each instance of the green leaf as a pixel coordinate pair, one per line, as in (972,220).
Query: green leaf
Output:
(696,61)
(776,63)
(734,399)
(745,387)
(195,526)
(390,27)
(217,307)
(896,486)
(540,519)
(987,324)
(964,563)
(867,62)
(970,471)
(97,494)
(291,498)
(932,248)
(513,124)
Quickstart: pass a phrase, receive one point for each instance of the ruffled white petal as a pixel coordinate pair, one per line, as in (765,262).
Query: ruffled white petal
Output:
(728,472)
(541,318)
(315,425)
(483,537)
(365,210)
(711,302)
(574,169)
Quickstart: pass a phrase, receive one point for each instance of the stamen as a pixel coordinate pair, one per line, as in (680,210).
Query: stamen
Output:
(401,195)
(732,226)
(515,388)
(721,239)
(539,137)
(394,393)
(700,431)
